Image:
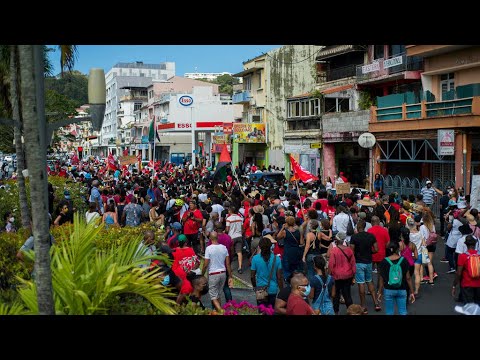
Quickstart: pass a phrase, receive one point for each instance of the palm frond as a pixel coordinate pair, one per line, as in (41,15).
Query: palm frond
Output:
(13,309)
(68,56)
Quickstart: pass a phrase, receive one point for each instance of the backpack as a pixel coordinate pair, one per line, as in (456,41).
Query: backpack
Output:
(350,229)
(395,275)
(473,265)
(387,214)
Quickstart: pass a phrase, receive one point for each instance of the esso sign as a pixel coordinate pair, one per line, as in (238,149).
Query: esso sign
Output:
(185,100)
(184,126)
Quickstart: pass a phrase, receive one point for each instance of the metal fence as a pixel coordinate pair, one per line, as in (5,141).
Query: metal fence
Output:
(407,186)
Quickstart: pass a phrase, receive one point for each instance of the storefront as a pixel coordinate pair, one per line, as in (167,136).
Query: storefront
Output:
(307,154)
(249,144)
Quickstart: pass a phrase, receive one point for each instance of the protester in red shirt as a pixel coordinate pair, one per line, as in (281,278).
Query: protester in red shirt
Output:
(296,305)
(383,238)
(342,176)
(470,287)
(192,220)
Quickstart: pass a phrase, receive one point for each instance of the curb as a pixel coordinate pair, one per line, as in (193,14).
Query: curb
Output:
(248,285)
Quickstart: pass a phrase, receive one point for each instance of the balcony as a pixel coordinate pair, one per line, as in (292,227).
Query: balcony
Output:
(456,113)
(340,73)
(398,66)
(241,97)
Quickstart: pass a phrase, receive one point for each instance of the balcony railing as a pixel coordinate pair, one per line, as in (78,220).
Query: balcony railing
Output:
(390,66)
(241,97)
(340,73)
(425,110)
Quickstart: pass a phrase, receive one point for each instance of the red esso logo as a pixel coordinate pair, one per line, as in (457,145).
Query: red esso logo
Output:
(185,100)
(184,126)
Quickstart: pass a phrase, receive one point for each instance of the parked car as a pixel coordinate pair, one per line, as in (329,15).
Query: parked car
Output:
(266,176)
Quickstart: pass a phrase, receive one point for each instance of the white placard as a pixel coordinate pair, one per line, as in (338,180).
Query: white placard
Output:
(375,66)
(398,60)
(475,193)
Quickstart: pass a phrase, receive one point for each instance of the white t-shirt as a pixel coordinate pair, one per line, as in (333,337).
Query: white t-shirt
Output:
(202,197)
(217,254)
(461,247)
(218,209)
(91,216)
(234,222)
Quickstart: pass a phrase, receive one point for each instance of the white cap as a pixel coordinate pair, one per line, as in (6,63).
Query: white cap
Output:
(428,182)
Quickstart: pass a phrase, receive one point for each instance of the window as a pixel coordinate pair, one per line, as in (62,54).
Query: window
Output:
(447,84)
(259,74)
(247,83)
(378,51)
(137,106)
(394,50)
(150,94)
(144,93)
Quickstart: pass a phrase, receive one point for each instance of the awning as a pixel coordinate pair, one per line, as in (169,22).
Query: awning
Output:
(247,71)
(337,89)
(335,50)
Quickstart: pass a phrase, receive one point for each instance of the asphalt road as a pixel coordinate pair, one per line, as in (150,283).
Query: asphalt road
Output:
(434,299)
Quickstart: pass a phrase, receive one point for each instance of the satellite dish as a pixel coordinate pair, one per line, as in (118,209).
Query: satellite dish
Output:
(366,140)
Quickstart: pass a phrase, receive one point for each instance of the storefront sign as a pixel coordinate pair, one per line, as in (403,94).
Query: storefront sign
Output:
(217,148)
(142,146)
(249,133)
(185,100)
(221,139)
(375,66)
(315,145)
(398,60)
(446,142)
(228,128)
(299,149)
(144,139)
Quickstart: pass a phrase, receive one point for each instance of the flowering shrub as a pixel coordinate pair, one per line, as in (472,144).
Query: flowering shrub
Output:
(245,308)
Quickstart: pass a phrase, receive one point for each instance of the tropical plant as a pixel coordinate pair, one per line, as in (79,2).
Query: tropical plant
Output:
(13,309)
(11,269)
(366,101)
(88,280)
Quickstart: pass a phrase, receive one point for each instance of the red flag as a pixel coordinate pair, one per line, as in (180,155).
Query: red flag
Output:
(300,173)
(111,162)
(151,163)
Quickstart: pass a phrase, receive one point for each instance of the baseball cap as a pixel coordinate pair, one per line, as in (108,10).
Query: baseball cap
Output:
(177,226)
(341,236)
(182,238)
(266,232)
(67,194)
(428,182)
(362,215)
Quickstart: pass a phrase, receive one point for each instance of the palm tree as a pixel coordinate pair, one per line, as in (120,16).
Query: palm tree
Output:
(16,115)
(29,106)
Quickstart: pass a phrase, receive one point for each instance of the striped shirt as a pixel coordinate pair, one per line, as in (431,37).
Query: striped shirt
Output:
(234,223)
(428,195)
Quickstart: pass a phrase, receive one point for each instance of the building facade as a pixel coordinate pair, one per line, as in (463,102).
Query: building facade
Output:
(120,76)
(434,133)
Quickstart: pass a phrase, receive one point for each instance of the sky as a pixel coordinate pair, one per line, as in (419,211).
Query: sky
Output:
(187,58)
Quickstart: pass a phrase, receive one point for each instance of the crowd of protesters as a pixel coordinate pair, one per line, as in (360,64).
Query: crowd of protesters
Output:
(303,243)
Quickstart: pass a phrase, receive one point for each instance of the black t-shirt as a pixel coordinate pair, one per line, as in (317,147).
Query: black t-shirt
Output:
(384,269)
(363,242)
(284,293)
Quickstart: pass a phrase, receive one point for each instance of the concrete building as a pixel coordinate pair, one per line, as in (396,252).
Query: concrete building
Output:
(351,77)
(187,127)
(434,133)
(120,76)
(268,80)
(206,76)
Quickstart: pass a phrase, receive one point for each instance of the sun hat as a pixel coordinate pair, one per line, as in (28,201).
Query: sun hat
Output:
(366,201)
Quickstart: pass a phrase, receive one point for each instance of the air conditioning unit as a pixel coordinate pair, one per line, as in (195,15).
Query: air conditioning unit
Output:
(252,102)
